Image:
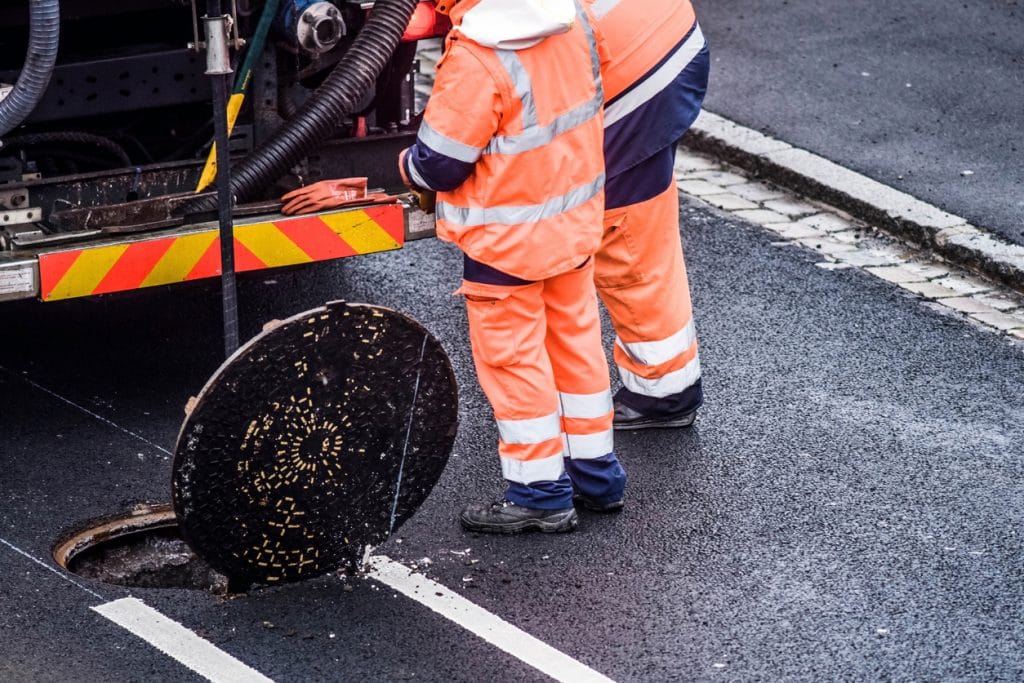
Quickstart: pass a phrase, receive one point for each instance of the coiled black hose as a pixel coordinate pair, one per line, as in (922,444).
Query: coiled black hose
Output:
(106,144)
(320,115)
(44,34)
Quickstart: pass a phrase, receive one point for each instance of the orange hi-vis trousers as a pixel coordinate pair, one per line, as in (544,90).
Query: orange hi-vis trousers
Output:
(538,356)
(641,277)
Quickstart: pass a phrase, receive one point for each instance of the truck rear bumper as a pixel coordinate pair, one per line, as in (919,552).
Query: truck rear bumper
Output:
(181,254)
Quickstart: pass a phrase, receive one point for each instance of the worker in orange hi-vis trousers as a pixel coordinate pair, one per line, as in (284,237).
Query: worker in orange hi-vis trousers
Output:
(654,82)
(511,141)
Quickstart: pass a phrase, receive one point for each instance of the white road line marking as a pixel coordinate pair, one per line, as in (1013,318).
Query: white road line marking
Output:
(49,568)
(479,621)
(85,410)
(176,641)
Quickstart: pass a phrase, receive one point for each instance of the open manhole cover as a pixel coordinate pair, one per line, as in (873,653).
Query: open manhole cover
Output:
(143,548)
(316,439)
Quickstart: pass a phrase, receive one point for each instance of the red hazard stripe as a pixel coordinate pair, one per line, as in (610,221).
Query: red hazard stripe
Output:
(53,267)
(390,218)
(245,260)
(316,238)
(209,264)
(134,265)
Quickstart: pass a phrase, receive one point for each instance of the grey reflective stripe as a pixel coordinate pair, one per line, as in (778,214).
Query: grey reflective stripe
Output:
(416,177)
(534,135)
(445,145)
(539,136)
(521,81)
(515,215)
(659,80)
(595,58)
(603,7)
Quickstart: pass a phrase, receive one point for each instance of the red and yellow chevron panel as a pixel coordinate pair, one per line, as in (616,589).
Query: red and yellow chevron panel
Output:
(162,260)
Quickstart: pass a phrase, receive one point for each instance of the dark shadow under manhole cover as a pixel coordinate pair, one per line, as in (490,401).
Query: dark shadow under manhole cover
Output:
(316,439)
(142,549)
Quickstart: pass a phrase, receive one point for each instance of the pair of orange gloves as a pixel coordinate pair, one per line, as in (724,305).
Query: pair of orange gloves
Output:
(333,194)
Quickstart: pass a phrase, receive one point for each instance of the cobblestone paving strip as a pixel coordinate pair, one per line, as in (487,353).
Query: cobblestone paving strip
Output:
(844,242)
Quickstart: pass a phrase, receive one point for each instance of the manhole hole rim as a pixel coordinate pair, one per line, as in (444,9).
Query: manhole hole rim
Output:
(100,530)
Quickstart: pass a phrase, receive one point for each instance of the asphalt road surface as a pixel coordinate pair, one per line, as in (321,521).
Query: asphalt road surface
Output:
(848,506)
(912,93)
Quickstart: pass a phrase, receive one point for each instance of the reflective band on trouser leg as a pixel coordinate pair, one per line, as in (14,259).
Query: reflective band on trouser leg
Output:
(586,421)
(506,328)
(641,277)
(659,381)
(531,449)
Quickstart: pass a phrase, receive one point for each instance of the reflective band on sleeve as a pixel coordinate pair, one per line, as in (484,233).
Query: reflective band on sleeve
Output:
(521,81)
(586,405)
(535,430)
(658,352)
(589,446)
(657,81)
(516,215)
(445,145)
(672,383)
(414,174)
(603,7)
(529,471)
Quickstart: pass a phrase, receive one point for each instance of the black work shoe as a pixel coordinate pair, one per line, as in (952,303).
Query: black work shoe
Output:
(597,506)
(505,517)
(626,418)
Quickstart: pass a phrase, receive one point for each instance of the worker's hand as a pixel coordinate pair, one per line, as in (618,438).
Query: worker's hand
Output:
(427,199)
(326,194)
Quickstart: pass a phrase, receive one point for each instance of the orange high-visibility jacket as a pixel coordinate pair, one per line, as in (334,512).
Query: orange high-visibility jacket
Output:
(511,139)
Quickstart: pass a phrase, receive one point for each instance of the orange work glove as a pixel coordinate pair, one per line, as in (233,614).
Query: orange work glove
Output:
(326,194)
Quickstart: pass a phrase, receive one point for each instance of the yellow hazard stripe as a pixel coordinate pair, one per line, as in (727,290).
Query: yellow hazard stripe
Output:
(210,169)
(87,272)
(361,232)
(180,259)
(270,245)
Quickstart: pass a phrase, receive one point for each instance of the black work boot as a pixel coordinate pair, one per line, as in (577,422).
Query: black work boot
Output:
(626,419)
(505,517)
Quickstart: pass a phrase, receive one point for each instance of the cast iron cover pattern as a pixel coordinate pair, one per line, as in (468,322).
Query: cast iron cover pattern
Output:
(288,465)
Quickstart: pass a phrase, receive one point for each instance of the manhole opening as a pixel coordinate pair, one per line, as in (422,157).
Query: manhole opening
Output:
(144,549)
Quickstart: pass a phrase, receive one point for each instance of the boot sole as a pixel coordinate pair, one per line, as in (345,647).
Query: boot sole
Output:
(615,506)
(684,421)
(566,523)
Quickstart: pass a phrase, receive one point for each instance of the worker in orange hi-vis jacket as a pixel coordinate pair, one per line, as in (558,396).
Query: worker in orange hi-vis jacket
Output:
(654,83)
(511,141)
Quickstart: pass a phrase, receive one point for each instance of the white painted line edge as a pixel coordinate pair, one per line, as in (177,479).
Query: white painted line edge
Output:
(176,641)
(480,622)
(49,568)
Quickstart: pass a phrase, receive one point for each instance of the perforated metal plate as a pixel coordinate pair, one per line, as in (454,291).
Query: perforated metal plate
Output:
(316,439)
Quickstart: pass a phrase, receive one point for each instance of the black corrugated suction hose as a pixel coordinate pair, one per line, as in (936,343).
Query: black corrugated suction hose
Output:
(319,117)
(106,144)
(44,34)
